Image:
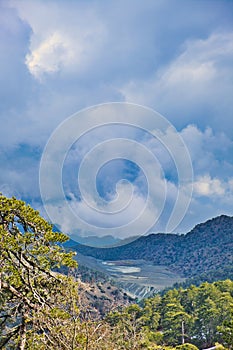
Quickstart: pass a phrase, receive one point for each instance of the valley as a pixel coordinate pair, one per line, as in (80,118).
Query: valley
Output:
(138,278)
(206,248)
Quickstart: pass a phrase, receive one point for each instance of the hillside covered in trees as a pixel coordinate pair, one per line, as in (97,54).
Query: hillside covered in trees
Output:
(41,308)
(198,315)
(208,247)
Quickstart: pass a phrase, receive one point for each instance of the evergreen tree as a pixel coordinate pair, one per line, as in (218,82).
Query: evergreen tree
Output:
(31,293)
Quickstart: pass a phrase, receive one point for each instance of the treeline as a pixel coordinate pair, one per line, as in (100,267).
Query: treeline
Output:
(200,315)
(211,276)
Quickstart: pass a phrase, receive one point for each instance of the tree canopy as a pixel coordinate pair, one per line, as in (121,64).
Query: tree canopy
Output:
(31,291)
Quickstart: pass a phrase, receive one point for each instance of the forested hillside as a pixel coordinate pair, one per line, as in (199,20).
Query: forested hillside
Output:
(208,247)
(198,315)
(41,308)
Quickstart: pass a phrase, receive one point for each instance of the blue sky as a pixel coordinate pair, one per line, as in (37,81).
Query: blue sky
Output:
(174,56)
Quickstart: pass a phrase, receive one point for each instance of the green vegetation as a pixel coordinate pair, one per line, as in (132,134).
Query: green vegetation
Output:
(201,316)
(41,309)
(211,276)
(33,298)
(197,253)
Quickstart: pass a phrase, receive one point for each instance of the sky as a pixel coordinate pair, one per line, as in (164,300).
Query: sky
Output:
(174,57)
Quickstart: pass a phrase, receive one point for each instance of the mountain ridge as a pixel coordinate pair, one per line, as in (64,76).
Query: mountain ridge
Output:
(208,246)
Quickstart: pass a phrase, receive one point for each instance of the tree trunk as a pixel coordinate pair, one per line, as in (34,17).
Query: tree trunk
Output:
(23,334)
(182,326)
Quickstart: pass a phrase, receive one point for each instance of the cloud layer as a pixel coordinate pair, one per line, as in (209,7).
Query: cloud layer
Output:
(173,56)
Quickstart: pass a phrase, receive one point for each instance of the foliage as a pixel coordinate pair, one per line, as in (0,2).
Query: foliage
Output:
(31,294)
(226,331)
(201,316)
(186,346)
(210,276)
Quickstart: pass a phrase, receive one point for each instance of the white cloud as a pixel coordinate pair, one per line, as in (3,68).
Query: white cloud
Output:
(129,222)
(230,182)
(89,52)
(67,39)
(208,150)
(193,86)
(197,64)
(206,186)
(49,57)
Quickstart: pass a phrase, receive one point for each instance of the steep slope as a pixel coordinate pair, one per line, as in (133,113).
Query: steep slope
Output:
(207,247)
(96,299)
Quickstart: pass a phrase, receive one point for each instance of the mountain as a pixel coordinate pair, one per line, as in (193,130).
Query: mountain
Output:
(207,247)
(94,241)
(90,240)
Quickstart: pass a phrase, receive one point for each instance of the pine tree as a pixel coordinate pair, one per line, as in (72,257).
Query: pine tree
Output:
(31,292)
